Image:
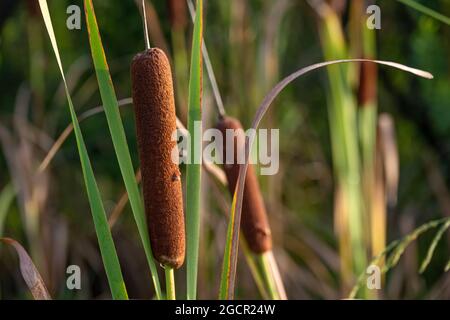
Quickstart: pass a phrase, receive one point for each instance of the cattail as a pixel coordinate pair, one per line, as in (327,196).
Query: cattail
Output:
(368,77)
(254,222)
(155,122)
(178,13)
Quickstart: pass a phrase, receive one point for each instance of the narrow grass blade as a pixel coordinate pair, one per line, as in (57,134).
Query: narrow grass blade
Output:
(105,240)
(231,249)
(226,291)
(29,272)
(433,246)
(193,169)
(117,131)
(427,11)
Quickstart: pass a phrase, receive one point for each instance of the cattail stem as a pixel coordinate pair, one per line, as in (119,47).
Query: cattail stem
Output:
(268,276)
(170,283)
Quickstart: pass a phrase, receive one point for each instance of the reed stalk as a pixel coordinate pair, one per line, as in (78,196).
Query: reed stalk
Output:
(349,214)
(170,283)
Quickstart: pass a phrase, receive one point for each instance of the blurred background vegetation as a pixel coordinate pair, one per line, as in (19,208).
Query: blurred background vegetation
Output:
(253,44)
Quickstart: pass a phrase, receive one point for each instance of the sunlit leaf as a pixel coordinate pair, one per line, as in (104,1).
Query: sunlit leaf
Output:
(105,240)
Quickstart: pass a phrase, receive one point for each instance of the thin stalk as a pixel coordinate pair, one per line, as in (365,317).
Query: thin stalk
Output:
(266,269)
(144,22)
(170,283)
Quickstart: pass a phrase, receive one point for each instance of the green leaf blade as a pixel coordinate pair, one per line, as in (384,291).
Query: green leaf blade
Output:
(105,240)
(117,132)
(193,169)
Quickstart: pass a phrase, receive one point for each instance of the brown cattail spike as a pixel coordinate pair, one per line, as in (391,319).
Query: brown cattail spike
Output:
(155,122)
(254,222)
(367,84)
(178,14)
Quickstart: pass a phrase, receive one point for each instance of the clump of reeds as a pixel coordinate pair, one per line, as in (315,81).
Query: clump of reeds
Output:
(161,179)
(254,222)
